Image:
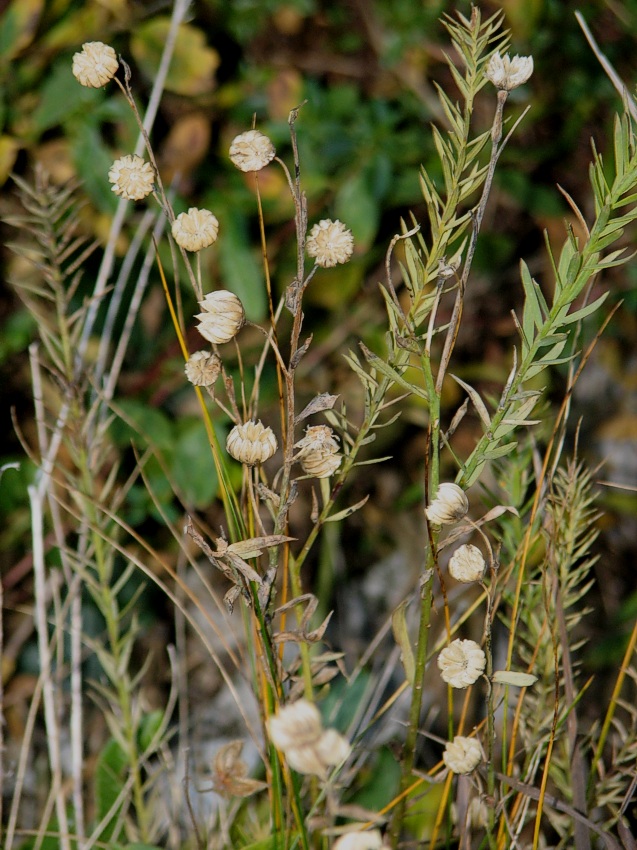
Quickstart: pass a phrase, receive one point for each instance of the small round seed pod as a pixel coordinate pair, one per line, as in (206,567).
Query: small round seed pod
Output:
(251,443)
(132,178)
(195,229)
(95,65)
(369,840)
(449,506)
(461,663)
(202,368)
(462,755)
(251,151)
(222,317)
(330,242)
(467,564)
(319,455)
(297,724)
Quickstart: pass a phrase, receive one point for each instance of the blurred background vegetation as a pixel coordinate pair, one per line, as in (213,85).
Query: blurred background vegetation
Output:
(365,70)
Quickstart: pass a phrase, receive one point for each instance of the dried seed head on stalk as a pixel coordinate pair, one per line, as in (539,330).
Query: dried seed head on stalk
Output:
(251,151)
(467,564)
(230,777)
(330,242)
(132,178)
(195,229)
(251,443)
(461,663)
(95,65)
(462,755)
(506,73)
(449,506)
(369,840)
(222,318)
(202,368)
(319,454)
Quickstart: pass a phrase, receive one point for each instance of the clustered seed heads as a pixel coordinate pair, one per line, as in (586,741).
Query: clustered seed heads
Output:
(251,443)
(132,177)
(368,840)
(202,368)
(450,505)
(195,229)
(251,151)
(506,73)
(222,318)
(467,564)
(95,65)
(330,242)
(319,454)
(462,755)
(297,730)
(461,663)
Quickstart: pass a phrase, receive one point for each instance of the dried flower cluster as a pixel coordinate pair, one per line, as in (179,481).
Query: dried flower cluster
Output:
(506,73)
(222,317)
(449,506)
(132,177)
(251,443)
(95,65)
(202,368)
(318,451)
(462,755)
(195,229)
(330,242)
(297,731)
(467,564)
(461,663)
(251,151)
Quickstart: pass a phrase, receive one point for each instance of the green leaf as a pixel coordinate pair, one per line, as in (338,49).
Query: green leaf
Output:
(391,373)
(18,25)
(62,97)
(356,206)
(110,778)
(148,728)
(240,269)
(192,467)
(93,161)
(140,424)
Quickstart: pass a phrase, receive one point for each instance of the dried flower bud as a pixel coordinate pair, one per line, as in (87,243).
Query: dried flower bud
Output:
(95,65)
(319,453)
(298,732)
(330,242)
(132,178)
(251,151)
(506,73)
(370,840)
(222,318)
(251,443)
(461,663)
(462,755)
(450,505)
(467,563)
(195,230)
(230,773)
(202,368)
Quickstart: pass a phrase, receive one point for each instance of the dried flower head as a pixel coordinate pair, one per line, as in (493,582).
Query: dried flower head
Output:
(450,505)
(369,840)
(95,65)
(222,317)
(462,755)
(132,178)
(330,242)
(251,443)
(195,229)
(297,731)
(506,73)
(202,368)
(318,451)
(251,151)
(230,773)
(467,563)
(461,663)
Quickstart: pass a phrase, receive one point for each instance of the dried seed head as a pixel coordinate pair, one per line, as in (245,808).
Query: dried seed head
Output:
(251,151)
(330,242)
(195,229)
(506,73)
(298,732)
(461,663)
(222,318)
(202,368)
(251,443)
(467,563)
(319,453)
(370,840)
(95,65)
(462,755)
(230,773)
(132,178)
(450,505)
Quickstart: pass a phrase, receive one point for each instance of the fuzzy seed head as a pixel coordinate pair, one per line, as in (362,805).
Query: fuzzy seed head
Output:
(202,368)
(370,840)
(195,229)
(467,564)
(95,65)
(222,317)
(461,663)
(462,755)
(251,443)
(132,178)
(318,451)
(251,151)
(450,505)
(506,73)
(330,242)
(297,731)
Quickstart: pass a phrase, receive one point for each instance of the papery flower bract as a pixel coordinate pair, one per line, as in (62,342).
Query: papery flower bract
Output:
(251,151)
(132,178)
(462,755)
(467,563)
(319,455)
(461,663)
(369,840)
(195,229)
(506,73)
(222,318)
(95,65)
(450,505)
(202,368)
(330,242)
(230,773)
(251,443)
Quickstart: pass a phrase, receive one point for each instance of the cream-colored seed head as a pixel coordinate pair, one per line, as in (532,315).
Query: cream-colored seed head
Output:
(195,229)
(318,451)
(330,242)
(449,506)
(506,73)
(462,755)
(251,151)
(132,178)
(202,368)
(251,443)
(467,564)
(461,663)
(95,65)
(369,840)
(222,317)
(297,731)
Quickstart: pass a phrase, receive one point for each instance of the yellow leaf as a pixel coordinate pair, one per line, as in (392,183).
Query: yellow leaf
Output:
(18,25)
(9,148)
